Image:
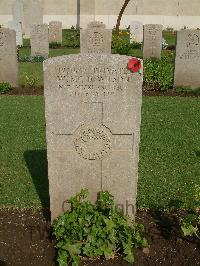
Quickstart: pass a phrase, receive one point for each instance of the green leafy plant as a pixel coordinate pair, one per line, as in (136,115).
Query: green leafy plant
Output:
(158,73)
(5,87)
(136,45)
(31,80)
(54,45)
(31,59)
(190,225)
(186,90)
(121,45)
(95,230)
(71,38)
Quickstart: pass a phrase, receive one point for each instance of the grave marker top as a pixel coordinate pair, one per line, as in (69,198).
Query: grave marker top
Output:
(96,39)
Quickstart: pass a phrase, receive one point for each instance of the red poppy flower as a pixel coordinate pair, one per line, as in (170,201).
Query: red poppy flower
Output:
(134,65)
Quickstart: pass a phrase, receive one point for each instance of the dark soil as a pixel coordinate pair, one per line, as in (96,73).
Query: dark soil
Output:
(26,91)
(26,239)
(146,92)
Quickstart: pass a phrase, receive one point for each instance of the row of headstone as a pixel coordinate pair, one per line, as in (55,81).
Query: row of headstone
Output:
(187,62)
(97,39)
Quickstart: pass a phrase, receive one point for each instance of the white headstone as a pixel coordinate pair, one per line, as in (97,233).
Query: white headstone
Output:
(39,40)
(33,14)
(8,57)
(187,63)
(96,39)
(13,25)
(136,31)
(93,114)
(55,31)
(152,41)
(18,13)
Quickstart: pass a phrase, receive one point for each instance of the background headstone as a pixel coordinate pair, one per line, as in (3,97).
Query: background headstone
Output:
(40,40)
(33,14)
(55,31)
(152,41)
(8,57)
(136,31)
(93,113)
(18,13)
(17,26)
(96,39)
(187,62)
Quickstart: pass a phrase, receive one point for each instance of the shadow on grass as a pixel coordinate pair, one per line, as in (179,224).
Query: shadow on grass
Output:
(36,161)
(197,153)
(168,222)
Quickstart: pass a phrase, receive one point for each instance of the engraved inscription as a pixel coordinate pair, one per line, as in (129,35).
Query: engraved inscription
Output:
(152,34)
(95,42)
(2,39)
(192,47)
(98,81)
(93,142)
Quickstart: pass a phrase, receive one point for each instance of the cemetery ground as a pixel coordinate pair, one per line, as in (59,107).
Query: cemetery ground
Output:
(168,180)
(169,174)
(30,73)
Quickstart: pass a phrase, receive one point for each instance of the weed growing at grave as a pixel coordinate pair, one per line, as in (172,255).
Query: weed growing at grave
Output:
(31,80)
(190,225)
(164,44)
(5,87)
(158,74)
(95,231)
(54,45)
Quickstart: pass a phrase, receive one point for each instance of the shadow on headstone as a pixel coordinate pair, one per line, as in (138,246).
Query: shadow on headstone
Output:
(36,161)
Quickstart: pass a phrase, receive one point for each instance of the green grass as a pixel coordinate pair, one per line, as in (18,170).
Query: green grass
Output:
(30,70)
(169,152)
(170,37)
(22,130)
(35,69)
